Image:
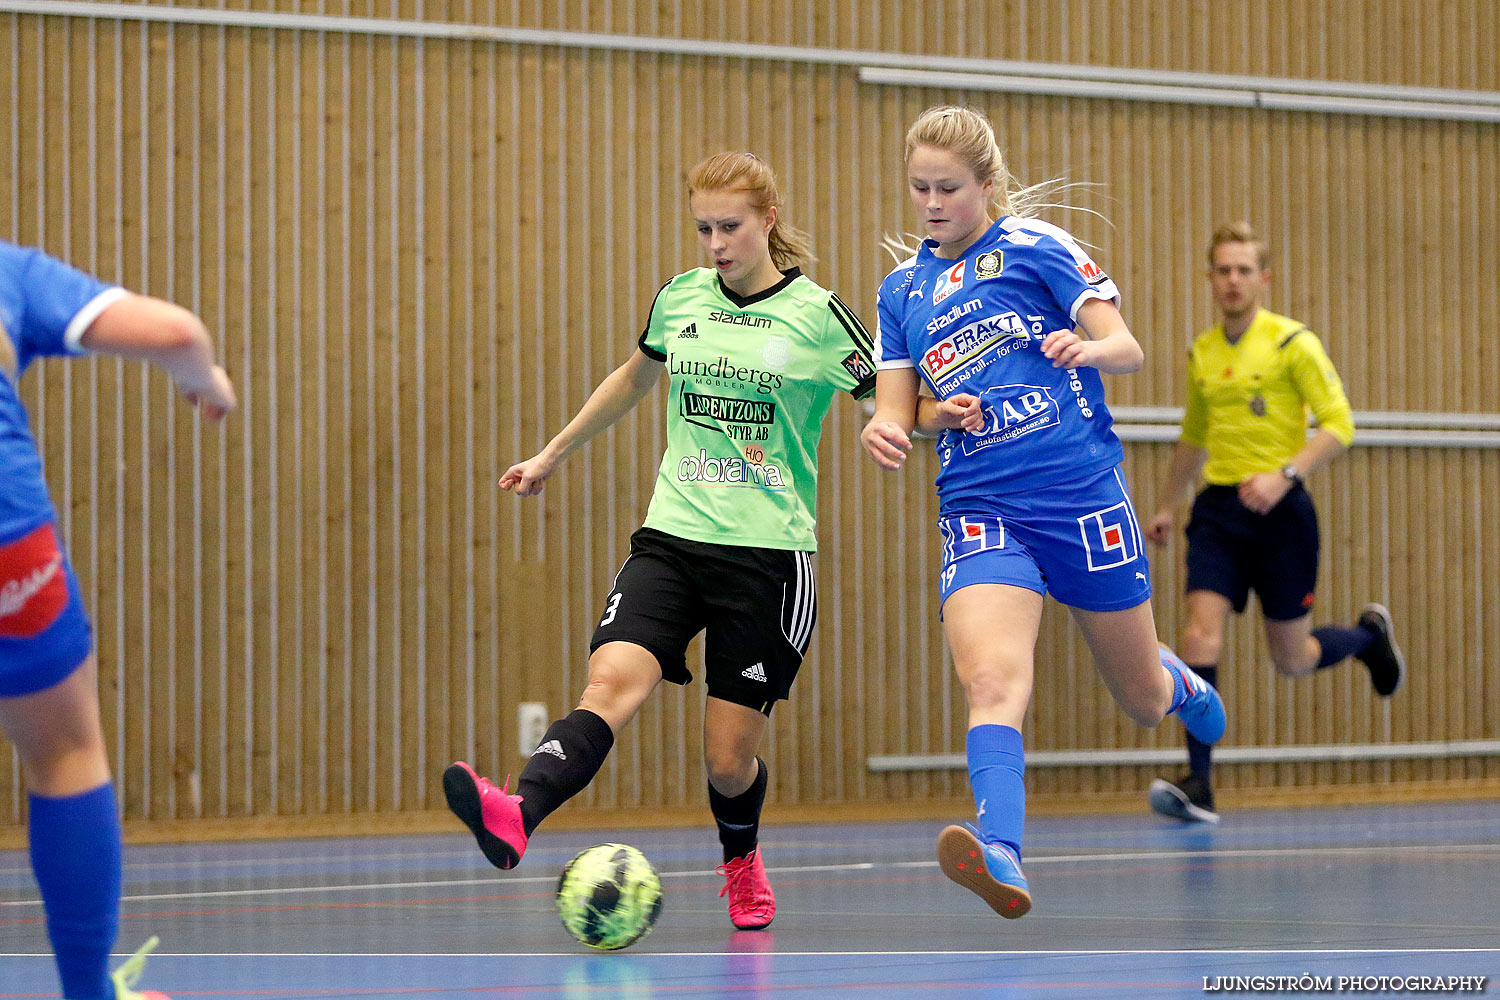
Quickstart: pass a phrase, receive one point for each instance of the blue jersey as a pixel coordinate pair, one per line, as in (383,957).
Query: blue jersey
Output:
(45,307)
(976,325)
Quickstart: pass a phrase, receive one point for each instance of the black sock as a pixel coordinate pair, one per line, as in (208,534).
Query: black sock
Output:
(1200,754)
(569,756)
(739,817)
(1339,643)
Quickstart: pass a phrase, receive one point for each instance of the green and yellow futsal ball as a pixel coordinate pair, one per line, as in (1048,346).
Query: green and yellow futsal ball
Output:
(609,896)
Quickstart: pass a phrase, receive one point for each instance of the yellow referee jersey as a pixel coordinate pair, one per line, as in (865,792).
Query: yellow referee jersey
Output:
(1248,402)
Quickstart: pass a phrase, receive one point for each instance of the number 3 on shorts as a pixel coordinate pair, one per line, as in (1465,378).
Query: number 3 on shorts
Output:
(609,611)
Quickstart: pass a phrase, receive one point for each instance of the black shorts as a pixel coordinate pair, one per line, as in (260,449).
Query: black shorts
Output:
(1232,550)
(758,607)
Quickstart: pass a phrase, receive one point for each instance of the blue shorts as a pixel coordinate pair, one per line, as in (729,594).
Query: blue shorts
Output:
(44,632)
(1078,540)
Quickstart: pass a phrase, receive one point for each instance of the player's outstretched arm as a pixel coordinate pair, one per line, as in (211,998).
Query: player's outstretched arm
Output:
(616,396)
(170,337)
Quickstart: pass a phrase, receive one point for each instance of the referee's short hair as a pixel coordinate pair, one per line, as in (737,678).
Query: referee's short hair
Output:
(1238,232)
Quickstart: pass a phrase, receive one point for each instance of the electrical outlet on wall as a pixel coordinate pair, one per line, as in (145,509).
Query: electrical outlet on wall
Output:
(531,726)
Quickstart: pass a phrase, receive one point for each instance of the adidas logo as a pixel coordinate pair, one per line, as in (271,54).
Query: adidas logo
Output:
(756,672)
(553,747)
(689,332)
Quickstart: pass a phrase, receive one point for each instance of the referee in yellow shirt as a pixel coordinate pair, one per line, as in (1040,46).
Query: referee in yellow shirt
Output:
(1252,379)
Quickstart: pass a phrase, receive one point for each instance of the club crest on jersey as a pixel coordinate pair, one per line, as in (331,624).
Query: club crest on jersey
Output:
(951,281)
(1110,537)
(988,265)
(777,354)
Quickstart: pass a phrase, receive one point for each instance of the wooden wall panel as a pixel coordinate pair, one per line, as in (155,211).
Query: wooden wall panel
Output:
(420,255)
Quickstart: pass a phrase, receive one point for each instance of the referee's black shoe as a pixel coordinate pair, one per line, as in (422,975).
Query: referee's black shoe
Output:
(1188,798)
(1382,655)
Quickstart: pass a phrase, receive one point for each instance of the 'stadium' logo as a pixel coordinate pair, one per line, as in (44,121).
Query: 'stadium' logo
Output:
(722,369)
(712,411)
(739,319)
(955,313)
(751,473)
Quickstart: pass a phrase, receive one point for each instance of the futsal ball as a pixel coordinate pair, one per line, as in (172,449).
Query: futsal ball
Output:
(609,896)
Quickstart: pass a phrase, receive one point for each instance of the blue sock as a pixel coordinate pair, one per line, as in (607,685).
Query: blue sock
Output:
(1340,643)
(997,765)
(75,853)
(1198,705)
(1179,689)
(1200,754)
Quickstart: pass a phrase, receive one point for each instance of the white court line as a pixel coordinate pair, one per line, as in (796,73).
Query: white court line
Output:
(194,864)
(345,859)
(805,869)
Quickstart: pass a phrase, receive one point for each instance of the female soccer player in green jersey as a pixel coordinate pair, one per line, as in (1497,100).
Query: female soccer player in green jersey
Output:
(754,352)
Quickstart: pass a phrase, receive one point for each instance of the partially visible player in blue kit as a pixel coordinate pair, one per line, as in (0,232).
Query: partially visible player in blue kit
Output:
(1031,497)
(49,699)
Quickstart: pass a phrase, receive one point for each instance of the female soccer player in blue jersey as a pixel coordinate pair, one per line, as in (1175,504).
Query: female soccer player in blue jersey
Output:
(1031,497)
(755,352)
(49,699)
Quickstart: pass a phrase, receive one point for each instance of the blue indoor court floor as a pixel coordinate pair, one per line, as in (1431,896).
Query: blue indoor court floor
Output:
(1125,906)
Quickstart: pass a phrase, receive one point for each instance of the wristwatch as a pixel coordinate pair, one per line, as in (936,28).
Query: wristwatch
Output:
(1291,473)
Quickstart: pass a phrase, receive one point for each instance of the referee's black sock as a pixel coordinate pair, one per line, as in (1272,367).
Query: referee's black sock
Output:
(1339,643)
(563,764)
(739,817)
(1200,754)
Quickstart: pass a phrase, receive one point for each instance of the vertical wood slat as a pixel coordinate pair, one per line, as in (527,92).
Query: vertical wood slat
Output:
(419,257)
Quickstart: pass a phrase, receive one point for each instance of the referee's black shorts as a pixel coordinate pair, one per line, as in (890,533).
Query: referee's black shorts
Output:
(1233,550)
(758,607)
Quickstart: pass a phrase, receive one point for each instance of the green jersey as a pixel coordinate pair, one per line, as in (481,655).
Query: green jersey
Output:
(751,379)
